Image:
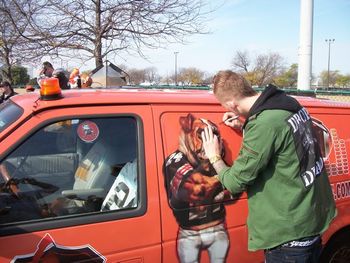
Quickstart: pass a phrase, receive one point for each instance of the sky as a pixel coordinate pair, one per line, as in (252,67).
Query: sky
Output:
(256,26)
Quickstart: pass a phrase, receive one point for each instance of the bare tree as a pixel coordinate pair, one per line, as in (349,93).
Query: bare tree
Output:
(262,71)
(343,81)
(14,47)
(151,75)
(333,76)
(147,75)
(167,80)
(241,61)
(288,78)
(268,66)
(208,78)
(99,28)
(191,76)
(137,76)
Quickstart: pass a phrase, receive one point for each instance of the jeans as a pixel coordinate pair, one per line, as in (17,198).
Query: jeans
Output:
(191,242)
(294,254)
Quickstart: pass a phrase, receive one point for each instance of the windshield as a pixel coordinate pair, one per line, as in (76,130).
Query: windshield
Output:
(9,113)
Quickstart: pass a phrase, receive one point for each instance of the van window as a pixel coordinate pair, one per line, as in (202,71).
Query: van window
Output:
(323,137)
(9,113)
(71,167)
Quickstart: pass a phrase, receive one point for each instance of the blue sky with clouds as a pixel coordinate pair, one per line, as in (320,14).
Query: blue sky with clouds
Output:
(257,26)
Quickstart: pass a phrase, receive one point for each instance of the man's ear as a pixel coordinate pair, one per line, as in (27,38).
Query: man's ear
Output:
(231,103)
(228,104)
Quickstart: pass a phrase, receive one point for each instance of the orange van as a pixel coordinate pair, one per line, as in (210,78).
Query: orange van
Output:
(91,176)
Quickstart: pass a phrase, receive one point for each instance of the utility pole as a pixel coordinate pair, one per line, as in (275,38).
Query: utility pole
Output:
(305,44)
(329,41)
(175,53)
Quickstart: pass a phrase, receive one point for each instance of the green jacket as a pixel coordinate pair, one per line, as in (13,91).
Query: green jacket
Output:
(287,199)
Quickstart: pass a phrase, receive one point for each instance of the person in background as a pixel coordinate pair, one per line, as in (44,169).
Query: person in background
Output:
(75,79)
(86,80)
(62,78)
(280,166)
(7,91)
(46,70)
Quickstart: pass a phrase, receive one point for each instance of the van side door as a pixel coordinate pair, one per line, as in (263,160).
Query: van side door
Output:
(208,208)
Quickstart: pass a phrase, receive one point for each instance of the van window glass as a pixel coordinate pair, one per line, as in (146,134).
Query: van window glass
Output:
(70,167)
(9,113)
(323,137)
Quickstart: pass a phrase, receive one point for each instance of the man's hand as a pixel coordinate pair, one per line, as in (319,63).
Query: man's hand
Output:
(229,120)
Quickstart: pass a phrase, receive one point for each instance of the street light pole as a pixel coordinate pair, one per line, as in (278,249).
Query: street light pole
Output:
(175,53)
(329,41)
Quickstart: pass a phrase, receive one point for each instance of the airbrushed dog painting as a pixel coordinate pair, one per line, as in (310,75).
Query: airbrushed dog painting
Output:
(195,195)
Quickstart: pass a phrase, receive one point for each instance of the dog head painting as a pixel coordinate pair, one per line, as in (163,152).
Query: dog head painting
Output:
(190,141)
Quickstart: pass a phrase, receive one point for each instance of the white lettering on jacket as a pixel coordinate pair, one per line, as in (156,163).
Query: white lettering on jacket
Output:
(298,118)
(309,176)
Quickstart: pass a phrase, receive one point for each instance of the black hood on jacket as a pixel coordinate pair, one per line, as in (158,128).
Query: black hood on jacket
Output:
(272,99)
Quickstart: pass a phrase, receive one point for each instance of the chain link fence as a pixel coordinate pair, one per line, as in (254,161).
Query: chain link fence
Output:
(336,95)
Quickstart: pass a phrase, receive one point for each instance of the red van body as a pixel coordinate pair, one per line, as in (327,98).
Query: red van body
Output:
(57,144)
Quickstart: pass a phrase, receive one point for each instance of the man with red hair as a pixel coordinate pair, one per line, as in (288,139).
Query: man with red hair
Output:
(280,166)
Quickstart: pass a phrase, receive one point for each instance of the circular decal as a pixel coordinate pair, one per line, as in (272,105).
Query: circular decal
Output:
(88,131)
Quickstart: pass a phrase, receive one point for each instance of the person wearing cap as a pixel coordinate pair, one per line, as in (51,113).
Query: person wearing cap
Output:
(7,91)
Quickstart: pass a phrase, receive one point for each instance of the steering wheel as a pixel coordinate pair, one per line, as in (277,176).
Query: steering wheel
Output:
(11,186)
